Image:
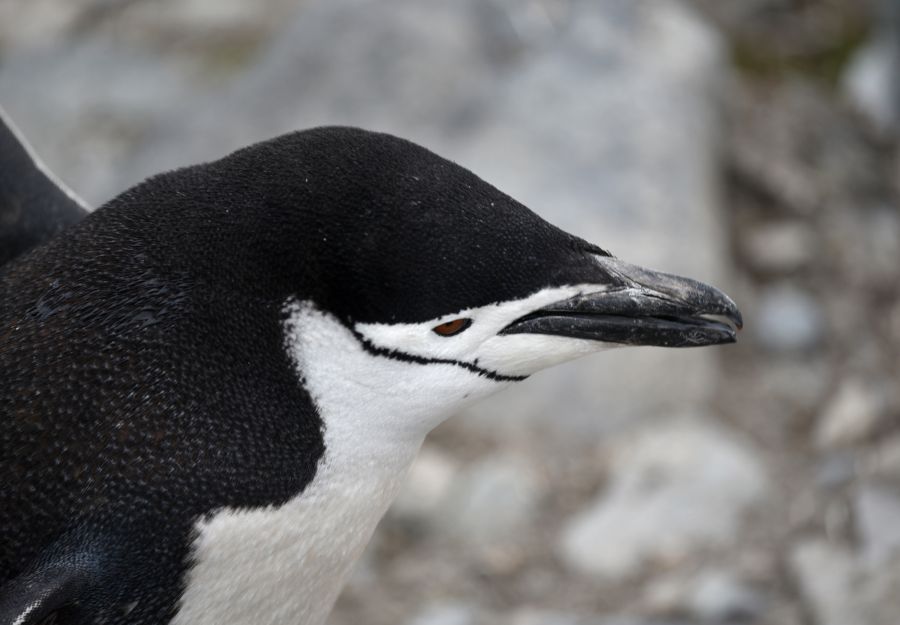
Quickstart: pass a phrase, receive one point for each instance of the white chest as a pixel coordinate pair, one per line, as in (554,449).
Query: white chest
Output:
(286,564)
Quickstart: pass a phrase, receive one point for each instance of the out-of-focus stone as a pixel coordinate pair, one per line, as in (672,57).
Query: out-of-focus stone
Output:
(788,320)
(180,15)
(675,487)
(880,595)
(530,616)
(710,596)
(882,240)
(779,247)
(878,522)
(720,597)
(884,461)
(852,415)
(491,502)
(836,469)
(426,486)
(798,385)
(870,84)
(766,144)
(825,573)
(450,613)
(43,21)
(865,242)
(872,80)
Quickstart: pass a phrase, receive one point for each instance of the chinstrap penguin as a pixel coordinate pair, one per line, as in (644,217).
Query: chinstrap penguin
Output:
(212,386)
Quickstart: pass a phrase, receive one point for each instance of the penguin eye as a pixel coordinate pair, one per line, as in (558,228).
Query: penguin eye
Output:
(452,327)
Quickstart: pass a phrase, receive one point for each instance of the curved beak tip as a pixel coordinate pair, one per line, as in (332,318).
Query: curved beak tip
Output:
(644,308)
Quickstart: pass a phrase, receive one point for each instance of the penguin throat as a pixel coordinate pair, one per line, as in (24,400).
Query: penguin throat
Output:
(369,397)
(375,411)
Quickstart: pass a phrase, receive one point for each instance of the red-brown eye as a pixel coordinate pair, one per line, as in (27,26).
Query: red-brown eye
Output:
(452,327)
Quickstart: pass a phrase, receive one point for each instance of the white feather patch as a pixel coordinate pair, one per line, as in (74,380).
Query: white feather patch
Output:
(287,564)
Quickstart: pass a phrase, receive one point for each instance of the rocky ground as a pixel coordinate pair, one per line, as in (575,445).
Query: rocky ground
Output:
(753,143)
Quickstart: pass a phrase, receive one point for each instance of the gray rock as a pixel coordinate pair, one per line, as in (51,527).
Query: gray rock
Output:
(872,80)
(799,385)
(870,83)
(422,496)
(878,523)
(836,469)
(720,597)
(826,575)
(866,239)
(675,487)
(851,415)
(881,595)
(884,461)
(788,320)
(840,589)
(882,240)
(709,596)
(779,247)
(44,20)
(492,502)
(531,616)
(450,613)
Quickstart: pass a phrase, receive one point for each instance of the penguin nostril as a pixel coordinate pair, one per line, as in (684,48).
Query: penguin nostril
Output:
(452,327)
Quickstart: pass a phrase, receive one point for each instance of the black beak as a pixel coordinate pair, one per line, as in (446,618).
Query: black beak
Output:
(640,307)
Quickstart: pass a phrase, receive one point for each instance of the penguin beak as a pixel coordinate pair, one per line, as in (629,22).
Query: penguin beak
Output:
(639,307)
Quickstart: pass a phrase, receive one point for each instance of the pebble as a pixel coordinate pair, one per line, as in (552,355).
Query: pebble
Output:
(884,461)
(712,595)
(836,469)
(492,502)
(872,80)
(877,510)
(531,616)
(851,416)
(426,486)
(675,487)
(719,596)
(780,247)
(788,320)
(449,613)
(824,573)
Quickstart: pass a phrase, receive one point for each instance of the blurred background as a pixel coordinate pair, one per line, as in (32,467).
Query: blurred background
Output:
(749,143)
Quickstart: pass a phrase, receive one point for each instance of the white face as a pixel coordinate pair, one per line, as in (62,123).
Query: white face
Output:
(480,344)
(407,377)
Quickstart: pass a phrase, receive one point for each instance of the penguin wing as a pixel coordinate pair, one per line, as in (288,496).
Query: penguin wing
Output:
(34,205)
(34,596)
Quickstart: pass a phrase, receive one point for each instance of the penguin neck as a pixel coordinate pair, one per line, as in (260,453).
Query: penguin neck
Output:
(375,409)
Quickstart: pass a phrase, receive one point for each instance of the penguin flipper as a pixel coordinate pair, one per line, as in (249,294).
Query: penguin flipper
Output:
(34,205)
(39,593)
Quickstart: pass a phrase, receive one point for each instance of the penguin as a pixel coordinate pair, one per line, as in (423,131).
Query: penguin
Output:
(34,204)
(212,386)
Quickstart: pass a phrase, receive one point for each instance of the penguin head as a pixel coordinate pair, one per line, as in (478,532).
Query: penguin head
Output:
(388,258)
